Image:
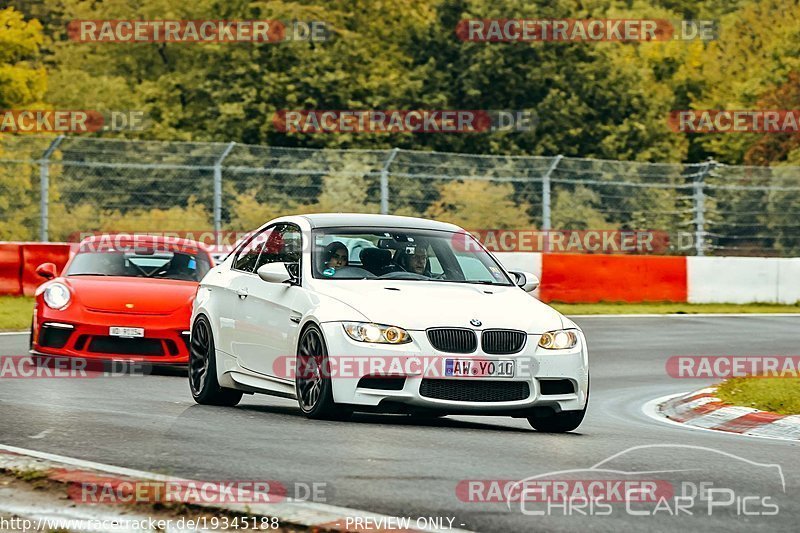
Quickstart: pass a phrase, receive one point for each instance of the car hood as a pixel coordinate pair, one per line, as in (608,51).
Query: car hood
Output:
(131,295)
(418,305)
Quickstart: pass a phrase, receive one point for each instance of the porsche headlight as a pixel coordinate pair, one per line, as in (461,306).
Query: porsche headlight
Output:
(562,339)
(367,332)
(57,296)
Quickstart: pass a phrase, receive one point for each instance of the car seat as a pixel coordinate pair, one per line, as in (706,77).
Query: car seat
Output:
(377,260)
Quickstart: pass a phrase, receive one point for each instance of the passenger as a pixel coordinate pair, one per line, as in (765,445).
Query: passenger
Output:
(416,262)
(336,256)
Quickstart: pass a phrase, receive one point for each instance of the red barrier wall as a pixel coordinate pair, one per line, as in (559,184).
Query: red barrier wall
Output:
(33,255)
(576,278)
(572,278)
(10,268)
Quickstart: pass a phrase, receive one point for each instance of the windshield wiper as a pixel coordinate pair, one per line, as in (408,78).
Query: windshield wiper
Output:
(88,274)
(473,282)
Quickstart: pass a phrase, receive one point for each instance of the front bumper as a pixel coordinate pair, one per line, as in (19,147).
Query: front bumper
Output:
(165,340)
(557,380)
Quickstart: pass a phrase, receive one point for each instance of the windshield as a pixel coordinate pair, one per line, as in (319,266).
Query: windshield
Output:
(161,264)
(403,254)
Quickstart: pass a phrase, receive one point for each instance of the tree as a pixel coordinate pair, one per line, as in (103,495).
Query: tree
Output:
(23,82)
(578,210)
(758,50)
(772,148)
(479,204)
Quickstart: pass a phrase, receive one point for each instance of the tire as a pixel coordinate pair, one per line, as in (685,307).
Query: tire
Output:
(203,382)
(558,422)
(313,378)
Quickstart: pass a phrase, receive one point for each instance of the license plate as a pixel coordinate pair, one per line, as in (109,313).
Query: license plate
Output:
(118,331)
(472,368)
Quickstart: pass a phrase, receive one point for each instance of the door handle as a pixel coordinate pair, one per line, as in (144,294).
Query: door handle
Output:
(242,293)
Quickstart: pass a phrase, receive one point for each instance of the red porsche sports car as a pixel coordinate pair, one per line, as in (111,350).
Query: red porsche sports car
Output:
(123,298)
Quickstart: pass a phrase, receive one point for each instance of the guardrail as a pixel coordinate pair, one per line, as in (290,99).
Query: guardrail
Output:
(18,262)
(570,278)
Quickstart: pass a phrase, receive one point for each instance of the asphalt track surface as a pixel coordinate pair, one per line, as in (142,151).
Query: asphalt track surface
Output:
(404,466)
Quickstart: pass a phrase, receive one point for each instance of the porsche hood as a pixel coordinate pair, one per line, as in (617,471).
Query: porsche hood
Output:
(131,295)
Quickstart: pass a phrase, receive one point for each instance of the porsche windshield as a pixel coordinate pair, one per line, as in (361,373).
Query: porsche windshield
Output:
(160,264)
(403,254)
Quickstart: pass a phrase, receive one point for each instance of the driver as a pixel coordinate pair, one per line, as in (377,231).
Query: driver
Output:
(110,263)
(416,261)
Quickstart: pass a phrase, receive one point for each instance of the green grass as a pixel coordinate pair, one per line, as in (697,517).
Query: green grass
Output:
(15,313)
(28,475)
(611,308)
(778,395)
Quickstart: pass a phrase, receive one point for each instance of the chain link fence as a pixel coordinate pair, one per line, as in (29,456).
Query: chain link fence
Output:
(55,188)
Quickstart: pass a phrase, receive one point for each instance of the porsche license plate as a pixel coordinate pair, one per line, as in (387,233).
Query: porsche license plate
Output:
(119,331)
(470,368)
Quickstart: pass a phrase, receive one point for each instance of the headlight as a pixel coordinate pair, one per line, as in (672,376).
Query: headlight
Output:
(57,296)
(562,339)
(366,332)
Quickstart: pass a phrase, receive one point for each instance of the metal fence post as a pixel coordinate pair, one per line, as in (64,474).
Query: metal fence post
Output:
(546,192)
(385,181)
(44,189)
(218,193)
(699,207)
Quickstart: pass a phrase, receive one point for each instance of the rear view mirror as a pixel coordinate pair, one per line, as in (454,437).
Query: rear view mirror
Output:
(47,270)
(525,280)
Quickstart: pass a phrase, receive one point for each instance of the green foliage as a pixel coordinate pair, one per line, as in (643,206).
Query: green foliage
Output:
(22,85)
(74,219)
(606,100)
(603,100)
(578,210)
(467,203)
(759,49)
(22,79)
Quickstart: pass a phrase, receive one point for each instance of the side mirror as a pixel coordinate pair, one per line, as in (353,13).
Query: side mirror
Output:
(47,270)
(276,273)
(525,280)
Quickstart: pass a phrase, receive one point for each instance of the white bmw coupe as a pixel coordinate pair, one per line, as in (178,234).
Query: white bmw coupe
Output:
(349,312)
